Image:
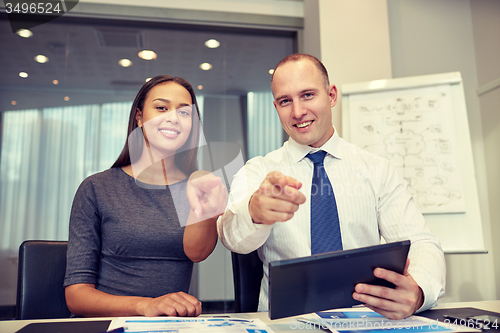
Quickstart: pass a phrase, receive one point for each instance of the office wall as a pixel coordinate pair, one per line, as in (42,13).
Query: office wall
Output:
(354,43)
(358,41)
(486,32)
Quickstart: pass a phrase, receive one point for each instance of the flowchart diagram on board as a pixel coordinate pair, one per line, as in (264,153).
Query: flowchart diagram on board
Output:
(415,130)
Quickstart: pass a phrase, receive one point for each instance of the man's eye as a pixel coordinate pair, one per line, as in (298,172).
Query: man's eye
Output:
(308,95)
(284,102)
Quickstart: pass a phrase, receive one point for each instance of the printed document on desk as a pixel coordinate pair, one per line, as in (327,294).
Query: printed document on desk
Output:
(364,320)
(189,325)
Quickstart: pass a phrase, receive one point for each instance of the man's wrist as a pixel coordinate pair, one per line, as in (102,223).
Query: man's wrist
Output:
(420,300)
(250,210)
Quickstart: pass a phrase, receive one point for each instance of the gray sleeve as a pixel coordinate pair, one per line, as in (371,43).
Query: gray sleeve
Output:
(84,241)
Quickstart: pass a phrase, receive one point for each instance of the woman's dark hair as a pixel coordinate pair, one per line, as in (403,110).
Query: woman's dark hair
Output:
(186,157)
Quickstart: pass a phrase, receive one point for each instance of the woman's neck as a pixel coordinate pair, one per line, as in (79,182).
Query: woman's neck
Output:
(162,172)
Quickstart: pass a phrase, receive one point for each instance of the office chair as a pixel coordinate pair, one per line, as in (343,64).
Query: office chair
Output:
(247,276)
(40,291)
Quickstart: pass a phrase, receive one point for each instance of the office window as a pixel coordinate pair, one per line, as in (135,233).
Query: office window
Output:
(264,128)
(45,155)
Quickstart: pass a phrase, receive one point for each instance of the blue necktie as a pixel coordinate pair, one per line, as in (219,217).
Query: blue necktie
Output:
(325,227)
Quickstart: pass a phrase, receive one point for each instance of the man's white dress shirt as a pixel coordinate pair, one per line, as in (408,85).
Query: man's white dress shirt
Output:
(372,201)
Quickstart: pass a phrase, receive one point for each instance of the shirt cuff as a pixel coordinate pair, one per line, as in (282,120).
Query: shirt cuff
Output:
(240,233)
(431,291)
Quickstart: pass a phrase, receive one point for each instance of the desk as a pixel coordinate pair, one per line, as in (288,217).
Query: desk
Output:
(278,325)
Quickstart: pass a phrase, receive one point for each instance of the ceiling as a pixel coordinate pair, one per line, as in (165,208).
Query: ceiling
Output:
(83,56)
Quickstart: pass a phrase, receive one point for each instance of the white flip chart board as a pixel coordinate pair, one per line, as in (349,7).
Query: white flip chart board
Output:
(420,124)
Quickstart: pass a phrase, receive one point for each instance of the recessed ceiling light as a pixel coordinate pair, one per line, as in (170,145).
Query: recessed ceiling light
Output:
(147,55)
(200,87)
(55,82)
(206,66)
(271,71)
(66,98)
(125,63)
(13,102)
(212,43)
(23,74)
(24,33)
(41,59)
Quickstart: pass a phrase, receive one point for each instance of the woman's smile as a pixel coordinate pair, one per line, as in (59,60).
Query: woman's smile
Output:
(170,133)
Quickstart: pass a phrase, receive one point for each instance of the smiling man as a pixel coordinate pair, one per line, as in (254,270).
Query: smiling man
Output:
(303,99)
(282,204)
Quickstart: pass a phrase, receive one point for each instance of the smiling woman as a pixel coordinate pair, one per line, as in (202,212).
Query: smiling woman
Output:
(132,242)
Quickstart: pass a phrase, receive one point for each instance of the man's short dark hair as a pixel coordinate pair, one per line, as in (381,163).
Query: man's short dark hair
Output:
(301,56)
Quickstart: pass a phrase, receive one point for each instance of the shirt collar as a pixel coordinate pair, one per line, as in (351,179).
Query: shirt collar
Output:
(298,151)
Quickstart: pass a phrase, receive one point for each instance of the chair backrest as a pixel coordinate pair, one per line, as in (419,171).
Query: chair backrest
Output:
(40,291)
(247,277)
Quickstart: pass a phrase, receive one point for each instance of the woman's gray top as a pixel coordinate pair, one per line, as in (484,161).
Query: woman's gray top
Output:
(125,236)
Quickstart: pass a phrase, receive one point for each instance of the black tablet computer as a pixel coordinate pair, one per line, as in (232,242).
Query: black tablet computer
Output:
(326,281)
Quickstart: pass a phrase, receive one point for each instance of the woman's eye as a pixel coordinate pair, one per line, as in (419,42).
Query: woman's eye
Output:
(161,108)
(184,111)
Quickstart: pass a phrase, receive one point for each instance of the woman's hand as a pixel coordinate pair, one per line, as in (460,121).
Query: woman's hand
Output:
(207,196)
(84,300)
(177,304)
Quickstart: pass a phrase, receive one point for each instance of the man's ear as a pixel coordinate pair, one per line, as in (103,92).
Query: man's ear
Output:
(138,117)
(332,92)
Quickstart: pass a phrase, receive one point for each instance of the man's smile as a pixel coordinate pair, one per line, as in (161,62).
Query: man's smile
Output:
(304,124)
